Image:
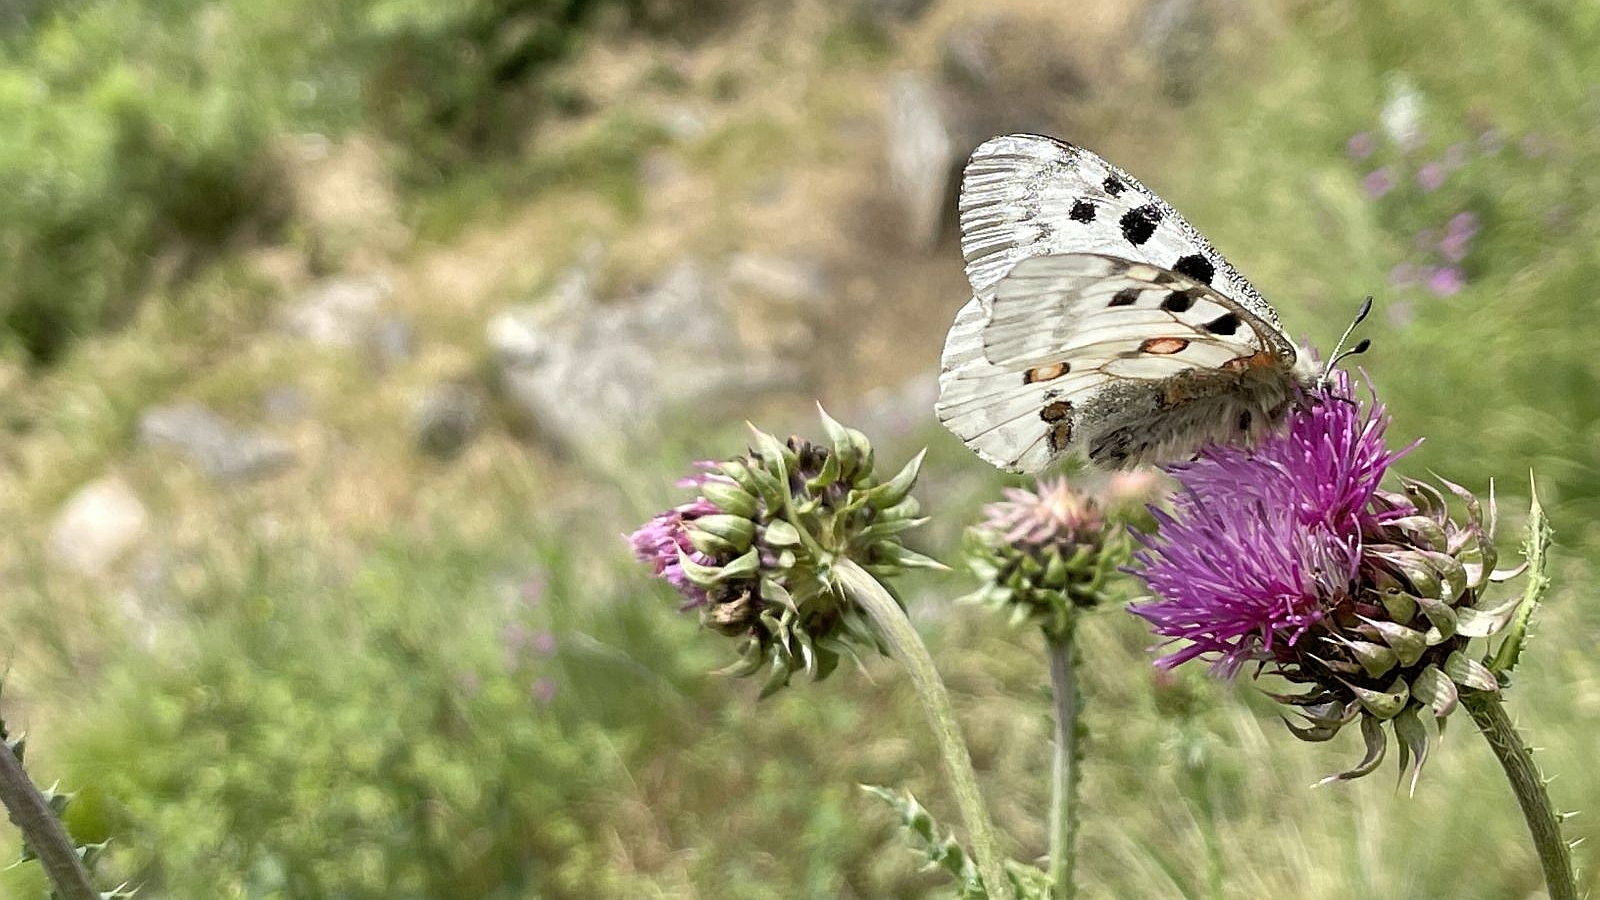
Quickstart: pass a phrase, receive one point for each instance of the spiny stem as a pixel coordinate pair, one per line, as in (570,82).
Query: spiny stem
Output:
(907,648)
(1063,764)
(1517,761)
(31,813)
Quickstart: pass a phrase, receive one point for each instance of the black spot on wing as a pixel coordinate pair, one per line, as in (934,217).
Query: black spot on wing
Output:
(1082,211)
(1195,266)
(1125,297)
(1139,224)
(1056,411)
(1227,323)
(1113,185)
(1178,301)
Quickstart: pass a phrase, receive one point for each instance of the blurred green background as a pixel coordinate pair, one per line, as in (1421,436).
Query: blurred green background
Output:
(340,342)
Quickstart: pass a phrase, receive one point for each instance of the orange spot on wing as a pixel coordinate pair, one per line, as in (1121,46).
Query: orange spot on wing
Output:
(1164,346)
(1046,373)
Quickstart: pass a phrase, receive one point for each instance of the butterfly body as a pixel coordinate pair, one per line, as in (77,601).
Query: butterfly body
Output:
(1101,322)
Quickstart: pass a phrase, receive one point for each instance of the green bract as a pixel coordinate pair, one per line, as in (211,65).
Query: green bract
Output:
(1397,652)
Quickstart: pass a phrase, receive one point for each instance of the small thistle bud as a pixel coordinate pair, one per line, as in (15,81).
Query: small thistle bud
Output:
(1291,556)
(1045,554)
(754,552)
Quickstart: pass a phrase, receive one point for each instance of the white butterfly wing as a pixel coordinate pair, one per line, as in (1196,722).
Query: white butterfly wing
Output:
(1025,195)
(1071,345)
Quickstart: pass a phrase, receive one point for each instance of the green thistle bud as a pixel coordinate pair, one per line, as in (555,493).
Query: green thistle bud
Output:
(755,552)
(1045,554)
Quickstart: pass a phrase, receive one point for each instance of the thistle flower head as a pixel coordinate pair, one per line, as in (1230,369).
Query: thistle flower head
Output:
(1045,553)
(754,551)
(1291,555)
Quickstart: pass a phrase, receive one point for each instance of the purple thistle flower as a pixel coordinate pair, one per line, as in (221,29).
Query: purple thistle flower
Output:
(1264,541)
(659,541)
(1290,555)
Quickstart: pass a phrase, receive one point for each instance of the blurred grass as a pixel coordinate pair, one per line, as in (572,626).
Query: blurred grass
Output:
(338,688)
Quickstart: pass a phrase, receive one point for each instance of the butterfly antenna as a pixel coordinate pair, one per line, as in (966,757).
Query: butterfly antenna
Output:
(1339,353)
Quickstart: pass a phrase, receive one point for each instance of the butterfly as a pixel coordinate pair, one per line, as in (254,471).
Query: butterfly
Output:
(1101,322)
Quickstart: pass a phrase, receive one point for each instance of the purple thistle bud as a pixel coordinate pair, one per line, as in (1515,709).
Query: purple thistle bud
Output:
(1378,182)
(1045,553)
(756,551)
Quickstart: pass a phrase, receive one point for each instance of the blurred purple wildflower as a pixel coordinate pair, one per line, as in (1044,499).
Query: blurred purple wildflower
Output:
(1401,314)
(1404,275)
(1447,281)
(1378,182)
(1455,155)
(1431,176)
(1453,247)
(1361,145)
(543,690)
(1264,541)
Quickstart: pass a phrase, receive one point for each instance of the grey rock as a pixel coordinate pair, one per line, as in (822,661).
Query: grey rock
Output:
(212,444)
(445,419)
(286,403)
(599,382)
(1179,36)
(893,10)
(682,123)
(338,312)
(797,282)
(922,157)
(98,526)
(392,341)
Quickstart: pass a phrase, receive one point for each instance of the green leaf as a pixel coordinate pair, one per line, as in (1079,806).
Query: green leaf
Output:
(939,848)
(896,489)
(1534,550)
(1435,689)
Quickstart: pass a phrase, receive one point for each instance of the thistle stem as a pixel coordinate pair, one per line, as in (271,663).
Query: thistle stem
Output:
(1517,760)
(42,830)
(907,647)
(1063,763)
